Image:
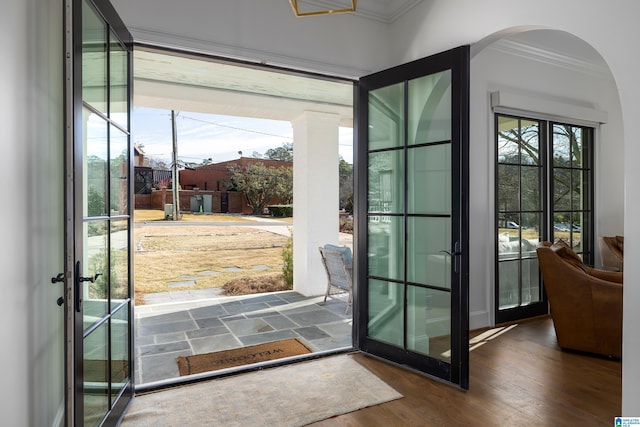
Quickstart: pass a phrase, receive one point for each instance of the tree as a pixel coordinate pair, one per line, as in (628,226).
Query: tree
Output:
(283,153)
(345,173)
(261,184)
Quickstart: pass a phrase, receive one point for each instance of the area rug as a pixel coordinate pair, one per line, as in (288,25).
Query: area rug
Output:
(287,396)
(206,362)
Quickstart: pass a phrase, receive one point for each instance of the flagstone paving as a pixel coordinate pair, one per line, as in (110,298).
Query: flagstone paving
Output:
(187,322)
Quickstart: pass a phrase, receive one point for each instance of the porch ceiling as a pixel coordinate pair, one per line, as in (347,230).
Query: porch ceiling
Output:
(171,81)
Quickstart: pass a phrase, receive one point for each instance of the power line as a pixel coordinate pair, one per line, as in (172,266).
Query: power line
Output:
(236,128)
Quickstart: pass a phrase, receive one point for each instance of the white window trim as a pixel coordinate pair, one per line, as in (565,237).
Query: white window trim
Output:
(542,109)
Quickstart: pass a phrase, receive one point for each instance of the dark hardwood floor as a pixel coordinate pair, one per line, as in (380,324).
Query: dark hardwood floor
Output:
(517,378)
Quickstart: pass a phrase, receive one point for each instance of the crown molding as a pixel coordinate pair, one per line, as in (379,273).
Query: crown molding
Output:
(550,57)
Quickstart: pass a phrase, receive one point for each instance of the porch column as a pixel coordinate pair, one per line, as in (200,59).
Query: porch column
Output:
(315,197)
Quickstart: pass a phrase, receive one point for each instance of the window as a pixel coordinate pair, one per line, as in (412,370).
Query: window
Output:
(544,191)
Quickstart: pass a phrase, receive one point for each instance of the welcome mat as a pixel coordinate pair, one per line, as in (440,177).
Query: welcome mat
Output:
(240,356)
(286,396)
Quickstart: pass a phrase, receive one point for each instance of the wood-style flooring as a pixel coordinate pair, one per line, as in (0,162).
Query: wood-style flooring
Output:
(517,378)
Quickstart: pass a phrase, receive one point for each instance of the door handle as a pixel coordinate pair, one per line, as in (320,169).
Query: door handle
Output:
(91,279)
(455,254)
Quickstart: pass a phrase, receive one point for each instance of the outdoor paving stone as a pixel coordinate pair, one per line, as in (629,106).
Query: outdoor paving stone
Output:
(232,317)
(142,341)
(311,333)
(248,326)
(280,322)
(207,332)
(214,343)
(246,308)
(208,273)
(172,337)
(268,298)
(267,337)
(164,318)
(182,284)
(292,296)
(337,329)
(277,303)
(301,309)
(209,322)
(260,267)
(161,366)
(162,328)
(164,348)
(208,311)
(262,314)
(232,269)
(316,317)
(191,277)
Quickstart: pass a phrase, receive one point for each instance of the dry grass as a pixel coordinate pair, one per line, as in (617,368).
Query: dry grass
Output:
(256,285)
(165,253)
(158,215)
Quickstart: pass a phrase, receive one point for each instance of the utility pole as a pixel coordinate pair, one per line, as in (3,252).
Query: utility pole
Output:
(174,169)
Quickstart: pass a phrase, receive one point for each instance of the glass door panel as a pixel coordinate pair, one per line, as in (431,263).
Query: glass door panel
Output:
(102,351)
(428,257)
(414,139)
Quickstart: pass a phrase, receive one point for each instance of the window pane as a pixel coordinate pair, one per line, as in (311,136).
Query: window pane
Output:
(429,322)
(508,188)
(119,171)
(119,259)
(577,186)
(509,278)
(95,261)
(119,350)
(386,237)
(96,375)
(529,142)
(97,155)
(561,145)
(429,112)
(118,86)
(531,200)
(508,140)
(562,189)
(577,151)
(530,281)
(94,59)
(427,261)
(386,117)
(386,181)
(386,314)
(429,179)
(531,229)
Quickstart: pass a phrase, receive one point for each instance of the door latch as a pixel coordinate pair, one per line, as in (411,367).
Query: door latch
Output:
(59,278)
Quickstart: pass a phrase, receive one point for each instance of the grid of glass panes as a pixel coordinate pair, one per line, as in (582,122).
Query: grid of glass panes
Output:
(572,187)
(520,209)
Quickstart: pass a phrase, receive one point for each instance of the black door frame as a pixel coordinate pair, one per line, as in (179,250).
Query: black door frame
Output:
(458,61)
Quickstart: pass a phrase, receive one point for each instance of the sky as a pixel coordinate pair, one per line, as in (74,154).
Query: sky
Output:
(202,136)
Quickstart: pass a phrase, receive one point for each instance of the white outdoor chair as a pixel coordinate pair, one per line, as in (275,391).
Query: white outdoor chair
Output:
(338,263)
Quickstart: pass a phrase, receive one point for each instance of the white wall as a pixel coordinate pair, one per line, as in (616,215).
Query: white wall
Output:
(521,69)
(611,28)
(31,219)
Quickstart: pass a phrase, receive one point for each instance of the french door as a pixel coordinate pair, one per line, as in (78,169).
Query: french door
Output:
(99,304)
(412,215)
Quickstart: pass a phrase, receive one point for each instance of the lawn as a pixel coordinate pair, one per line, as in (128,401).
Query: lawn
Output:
(166,253)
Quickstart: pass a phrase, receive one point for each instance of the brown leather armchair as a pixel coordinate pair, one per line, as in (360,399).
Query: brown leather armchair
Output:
(612,252)
(586,303)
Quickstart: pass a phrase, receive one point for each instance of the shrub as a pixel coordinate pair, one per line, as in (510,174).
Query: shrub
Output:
(281,210)
(287,258)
